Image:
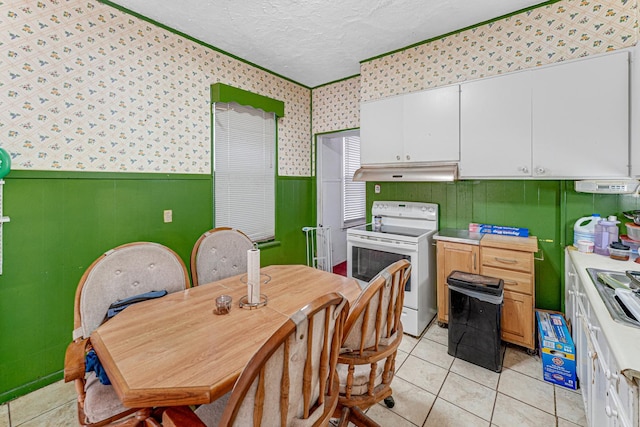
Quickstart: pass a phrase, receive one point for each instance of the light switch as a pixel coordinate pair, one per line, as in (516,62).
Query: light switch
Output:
(168,215)
(376,188)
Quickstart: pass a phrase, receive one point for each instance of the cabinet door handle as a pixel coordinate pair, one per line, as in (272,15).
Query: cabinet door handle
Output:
(611,413)
(593,328)
(408,157)
(523,169)
(474,261)
(509,282)
(397,157)
(570,292)
(506,260)
(540,170)
(612,375)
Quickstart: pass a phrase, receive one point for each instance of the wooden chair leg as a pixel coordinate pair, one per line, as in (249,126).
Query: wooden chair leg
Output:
(360,419)
(150,422)
(344,417)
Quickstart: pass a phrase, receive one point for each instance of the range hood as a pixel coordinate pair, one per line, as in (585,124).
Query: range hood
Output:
(419,172)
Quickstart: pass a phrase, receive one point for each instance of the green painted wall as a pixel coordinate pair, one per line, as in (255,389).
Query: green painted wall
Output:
(61,222)
(548,209)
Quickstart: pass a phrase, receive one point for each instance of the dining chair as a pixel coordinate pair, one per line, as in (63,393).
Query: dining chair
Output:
(290,381)
(218,254)
(125,271)
(372,335)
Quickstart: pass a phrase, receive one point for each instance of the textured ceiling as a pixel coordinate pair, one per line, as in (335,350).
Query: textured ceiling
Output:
(318,41)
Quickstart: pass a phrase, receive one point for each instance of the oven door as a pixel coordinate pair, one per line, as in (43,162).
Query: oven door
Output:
(367,257)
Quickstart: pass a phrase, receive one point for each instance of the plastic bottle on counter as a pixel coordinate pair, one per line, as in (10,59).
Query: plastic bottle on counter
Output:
(606,232)
(585,228)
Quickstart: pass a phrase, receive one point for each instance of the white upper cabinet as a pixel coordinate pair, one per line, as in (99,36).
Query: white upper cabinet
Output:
(416,127)
(581,118)
(381,131)
(569,120)
(432,125)
(495,128)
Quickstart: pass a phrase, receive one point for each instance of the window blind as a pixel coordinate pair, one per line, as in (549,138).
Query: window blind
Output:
(353,192)
(244,170)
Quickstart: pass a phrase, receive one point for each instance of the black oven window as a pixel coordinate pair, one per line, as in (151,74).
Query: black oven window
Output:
(369,262)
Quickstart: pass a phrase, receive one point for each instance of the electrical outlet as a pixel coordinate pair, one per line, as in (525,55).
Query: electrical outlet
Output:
(377,188)
(168,215)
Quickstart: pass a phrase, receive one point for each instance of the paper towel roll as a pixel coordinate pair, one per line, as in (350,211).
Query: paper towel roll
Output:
(253,276)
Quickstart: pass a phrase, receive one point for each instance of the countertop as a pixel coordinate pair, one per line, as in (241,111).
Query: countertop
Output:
(623,340)
(458,235)
(526,244)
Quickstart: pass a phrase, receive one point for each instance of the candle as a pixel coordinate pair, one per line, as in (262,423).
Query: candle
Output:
(253,276)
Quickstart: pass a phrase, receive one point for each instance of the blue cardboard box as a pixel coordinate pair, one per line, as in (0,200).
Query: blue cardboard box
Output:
(498,229)
(557,351)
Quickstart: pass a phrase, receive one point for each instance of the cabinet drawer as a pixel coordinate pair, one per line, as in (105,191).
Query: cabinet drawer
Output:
(507,259)
(513,280)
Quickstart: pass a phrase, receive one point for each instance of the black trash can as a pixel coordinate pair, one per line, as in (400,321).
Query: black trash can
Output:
(475,306)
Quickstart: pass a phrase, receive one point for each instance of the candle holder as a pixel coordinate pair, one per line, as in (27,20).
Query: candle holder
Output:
(223,304)
(244,301)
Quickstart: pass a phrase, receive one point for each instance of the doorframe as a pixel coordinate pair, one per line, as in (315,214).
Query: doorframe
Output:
(319,143)
(320,140)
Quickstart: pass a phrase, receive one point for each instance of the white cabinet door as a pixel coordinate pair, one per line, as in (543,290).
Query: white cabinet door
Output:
(381,131)
(495,127)
(432,125)
(570,289)
(581,118)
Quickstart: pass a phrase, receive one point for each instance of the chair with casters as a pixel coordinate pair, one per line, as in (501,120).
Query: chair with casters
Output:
(126,271)
(290,381)
(372,335)
(218,254)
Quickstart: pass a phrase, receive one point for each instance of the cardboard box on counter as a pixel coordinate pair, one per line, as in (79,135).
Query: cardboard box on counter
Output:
(498,229)
(557,351)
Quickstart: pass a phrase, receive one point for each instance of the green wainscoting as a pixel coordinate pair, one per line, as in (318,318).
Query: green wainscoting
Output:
(61,222)
(547,208)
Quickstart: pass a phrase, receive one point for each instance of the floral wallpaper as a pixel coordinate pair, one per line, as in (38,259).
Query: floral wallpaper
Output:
(86,87)
(336,106)
(558,32)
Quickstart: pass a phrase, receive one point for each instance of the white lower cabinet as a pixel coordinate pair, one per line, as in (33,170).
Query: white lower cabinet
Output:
(610,398)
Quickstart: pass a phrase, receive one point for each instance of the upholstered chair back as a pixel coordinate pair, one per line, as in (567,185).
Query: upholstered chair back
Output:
(218,254)
(125,271)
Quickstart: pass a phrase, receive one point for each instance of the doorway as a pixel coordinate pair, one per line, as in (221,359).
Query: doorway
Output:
(340,201)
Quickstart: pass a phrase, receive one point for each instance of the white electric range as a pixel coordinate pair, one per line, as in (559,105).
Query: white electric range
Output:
(406,232)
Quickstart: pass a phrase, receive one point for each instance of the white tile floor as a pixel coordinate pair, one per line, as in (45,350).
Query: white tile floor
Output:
(431,389)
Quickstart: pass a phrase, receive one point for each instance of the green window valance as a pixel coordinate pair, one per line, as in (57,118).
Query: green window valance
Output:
(225,93)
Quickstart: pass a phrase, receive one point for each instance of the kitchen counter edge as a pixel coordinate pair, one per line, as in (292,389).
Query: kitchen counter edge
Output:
(623,340)
(458,236)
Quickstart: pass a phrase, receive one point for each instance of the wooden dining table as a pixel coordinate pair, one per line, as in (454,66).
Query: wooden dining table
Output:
(176,350)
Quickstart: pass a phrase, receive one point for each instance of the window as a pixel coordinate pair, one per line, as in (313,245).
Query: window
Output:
(244,170)
(353,192)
